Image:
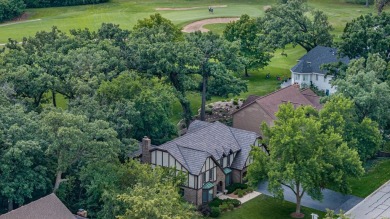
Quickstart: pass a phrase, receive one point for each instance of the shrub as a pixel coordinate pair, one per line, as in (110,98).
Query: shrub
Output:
(215,202)
(230,206)
(235,102)
(235,202)
(209,111)
(215,212)
(205,210)
(224,207)
(233,187)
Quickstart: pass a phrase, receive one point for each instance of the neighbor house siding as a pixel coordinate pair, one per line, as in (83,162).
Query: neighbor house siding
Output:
(318,79)
(250,118)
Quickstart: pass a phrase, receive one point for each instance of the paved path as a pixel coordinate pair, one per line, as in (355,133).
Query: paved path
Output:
(198,25)
(376,205)
(332,200)
(18,22)
(243,199)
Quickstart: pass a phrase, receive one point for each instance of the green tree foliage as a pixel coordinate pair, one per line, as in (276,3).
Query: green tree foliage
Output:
(72,139)
(57,3)
(218,60)
(151,99)
(303,157)
(245,31)
(23,167)
(10,9)
(339,114)
(366,35)
(162,52)
(366,84)
(154,195)
(294,23)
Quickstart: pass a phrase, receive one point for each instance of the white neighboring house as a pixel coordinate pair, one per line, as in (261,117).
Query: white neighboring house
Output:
(308,70)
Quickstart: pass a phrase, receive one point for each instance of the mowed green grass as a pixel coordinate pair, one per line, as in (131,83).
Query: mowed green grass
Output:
(377,173)
(266,207)
(127,12)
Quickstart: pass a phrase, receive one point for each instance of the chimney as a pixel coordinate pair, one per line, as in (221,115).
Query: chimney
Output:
(82,213)
(146,142)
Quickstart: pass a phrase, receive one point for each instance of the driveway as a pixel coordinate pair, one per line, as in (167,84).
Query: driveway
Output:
(332,200)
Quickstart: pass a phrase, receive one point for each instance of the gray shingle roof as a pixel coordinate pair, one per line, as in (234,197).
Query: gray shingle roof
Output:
(48,207)
(210,139)
(312,61)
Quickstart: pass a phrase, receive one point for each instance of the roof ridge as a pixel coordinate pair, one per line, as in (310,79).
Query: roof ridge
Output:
(185,160)
(261,97)
(173,140)
(209,123)
(234,136)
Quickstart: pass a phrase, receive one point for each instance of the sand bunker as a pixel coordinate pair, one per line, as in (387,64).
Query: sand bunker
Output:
(198,25)
(265,8)
(192,8)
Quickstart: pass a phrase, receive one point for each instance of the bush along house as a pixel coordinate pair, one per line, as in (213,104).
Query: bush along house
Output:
(212,156)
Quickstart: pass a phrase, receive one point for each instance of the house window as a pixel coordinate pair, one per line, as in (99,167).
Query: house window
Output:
(211,174)
(316,77)
(228,160)
(181,192)
(207,195)
(324,79)
(204,177)
(304,77)
(228,179)
(297,77)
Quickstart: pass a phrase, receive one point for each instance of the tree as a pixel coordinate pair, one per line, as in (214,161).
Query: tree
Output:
(339,113)
(161,52)
(152,99)
(10,9)
(218,60)
(366,84)
(303,157)
(290,23)
(380,5)
(245,30)
(24,168)
(72,139)
(154,194)
(366,35)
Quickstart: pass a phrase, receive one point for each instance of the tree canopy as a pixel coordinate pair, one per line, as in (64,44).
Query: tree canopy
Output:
(367,34)
(294,23)
(304,156)
(252,47)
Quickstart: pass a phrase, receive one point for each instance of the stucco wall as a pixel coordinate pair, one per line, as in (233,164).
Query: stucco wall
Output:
(250,118)
(323,83)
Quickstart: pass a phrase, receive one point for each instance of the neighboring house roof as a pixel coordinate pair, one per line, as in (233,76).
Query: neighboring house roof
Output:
(312,61)
(290,94)
(205,139)
(249,100)
(48,207)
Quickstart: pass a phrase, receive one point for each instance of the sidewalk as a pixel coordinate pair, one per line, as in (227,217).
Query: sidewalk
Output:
(332,200)
(244,199)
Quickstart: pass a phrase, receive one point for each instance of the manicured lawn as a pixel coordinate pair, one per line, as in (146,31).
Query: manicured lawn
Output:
(377,173)
(127,12)
(266,207)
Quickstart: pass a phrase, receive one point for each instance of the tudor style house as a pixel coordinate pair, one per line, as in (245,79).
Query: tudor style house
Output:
(308,70)
(212,155)
(258,109)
